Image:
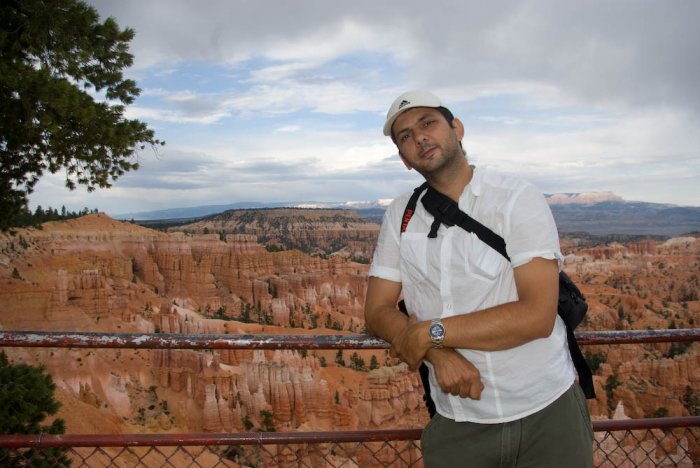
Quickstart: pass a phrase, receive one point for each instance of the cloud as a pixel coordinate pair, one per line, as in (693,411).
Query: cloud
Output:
(289,128)
(196,113)
(629,53)
(277,99)
(621,53)
(645,155)
(230,31)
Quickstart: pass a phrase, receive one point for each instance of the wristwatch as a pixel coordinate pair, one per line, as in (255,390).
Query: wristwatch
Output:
(437,332)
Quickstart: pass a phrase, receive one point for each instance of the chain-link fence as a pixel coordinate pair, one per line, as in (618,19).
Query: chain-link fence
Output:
(308,455)
(647,443)
(627,443)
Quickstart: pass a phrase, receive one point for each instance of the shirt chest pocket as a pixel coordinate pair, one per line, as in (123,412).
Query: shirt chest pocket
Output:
(480,260)
(414,257)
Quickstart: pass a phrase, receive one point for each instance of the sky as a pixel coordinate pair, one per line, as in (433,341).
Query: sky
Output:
(276,101)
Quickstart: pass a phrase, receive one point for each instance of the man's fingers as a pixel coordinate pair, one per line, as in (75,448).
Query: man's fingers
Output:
(466,390)
(463,386)
(454,386)
(456,375)
(475,390)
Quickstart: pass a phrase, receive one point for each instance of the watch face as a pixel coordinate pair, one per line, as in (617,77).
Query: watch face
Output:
(436,330)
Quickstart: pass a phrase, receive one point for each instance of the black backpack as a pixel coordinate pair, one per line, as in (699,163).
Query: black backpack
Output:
(572,304)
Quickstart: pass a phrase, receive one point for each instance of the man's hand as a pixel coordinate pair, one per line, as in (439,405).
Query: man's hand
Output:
(411,343)
(455,374)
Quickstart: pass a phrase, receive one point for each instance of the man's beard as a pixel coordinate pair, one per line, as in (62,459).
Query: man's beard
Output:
(450,157)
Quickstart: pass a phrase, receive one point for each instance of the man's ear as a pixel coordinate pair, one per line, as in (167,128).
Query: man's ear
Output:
(459,128)
(405,163)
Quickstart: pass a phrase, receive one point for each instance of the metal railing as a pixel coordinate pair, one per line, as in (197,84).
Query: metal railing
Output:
(38,339)
(618,443)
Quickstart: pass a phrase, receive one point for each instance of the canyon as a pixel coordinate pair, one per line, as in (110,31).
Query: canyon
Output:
(297,272)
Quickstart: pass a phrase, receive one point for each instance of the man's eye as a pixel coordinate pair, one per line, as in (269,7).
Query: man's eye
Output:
(403,137)
(427,123)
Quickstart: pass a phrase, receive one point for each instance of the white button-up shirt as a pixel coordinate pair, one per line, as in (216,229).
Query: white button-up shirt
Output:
(457,273)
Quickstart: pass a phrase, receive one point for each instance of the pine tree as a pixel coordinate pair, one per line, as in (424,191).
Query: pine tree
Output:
(26,399)
(55,55)
(268,421)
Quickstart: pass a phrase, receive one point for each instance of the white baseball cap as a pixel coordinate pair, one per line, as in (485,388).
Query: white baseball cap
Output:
(406,101)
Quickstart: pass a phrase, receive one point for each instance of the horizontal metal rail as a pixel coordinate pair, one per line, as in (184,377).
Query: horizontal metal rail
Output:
(637,336)
(37,339)
(240,438)
(272,438)
(33,339)
(647,423)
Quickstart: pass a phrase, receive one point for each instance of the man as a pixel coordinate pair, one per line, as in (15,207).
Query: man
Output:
(500,371)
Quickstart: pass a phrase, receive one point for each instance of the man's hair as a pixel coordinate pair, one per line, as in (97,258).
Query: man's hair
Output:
(442,110)
(447,114)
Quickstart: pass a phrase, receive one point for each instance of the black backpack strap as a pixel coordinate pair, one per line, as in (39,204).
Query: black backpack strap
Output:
(423,369)
(424,376)
(447,211)
(585,376)
(411,206)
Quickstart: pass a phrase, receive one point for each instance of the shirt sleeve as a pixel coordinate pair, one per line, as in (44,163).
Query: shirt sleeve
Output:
(532,231)
(387,259)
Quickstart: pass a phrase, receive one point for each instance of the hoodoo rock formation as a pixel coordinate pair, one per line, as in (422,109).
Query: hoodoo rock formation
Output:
(636,286)
(390,393)
(98,274)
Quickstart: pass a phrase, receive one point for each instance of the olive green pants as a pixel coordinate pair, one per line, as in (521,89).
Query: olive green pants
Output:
(560,435)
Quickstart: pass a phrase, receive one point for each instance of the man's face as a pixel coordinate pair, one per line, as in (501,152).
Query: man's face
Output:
(426,142)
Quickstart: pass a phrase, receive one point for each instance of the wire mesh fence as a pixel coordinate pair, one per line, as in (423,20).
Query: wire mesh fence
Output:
(627,443)
(327,449)
(652,447)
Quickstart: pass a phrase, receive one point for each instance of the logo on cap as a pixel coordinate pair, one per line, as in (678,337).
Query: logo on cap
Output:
(403,103)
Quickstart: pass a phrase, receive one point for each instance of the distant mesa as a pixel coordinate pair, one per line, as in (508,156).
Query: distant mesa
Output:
(206,210)
(585,198)
(193,212)
(597,213)
(604,213)
(316,231)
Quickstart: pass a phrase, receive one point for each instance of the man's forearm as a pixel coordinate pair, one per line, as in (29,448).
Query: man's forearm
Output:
(501,327)
(512,324)
(385,322)
(382,317)
(505,326)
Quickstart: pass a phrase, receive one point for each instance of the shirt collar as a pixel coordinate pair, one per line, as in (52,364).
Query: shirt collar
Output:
(475,184)
(471,192)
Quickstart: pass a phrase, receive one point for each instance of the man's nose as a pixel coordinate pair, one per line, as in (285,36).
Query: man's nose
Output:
(419,137)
